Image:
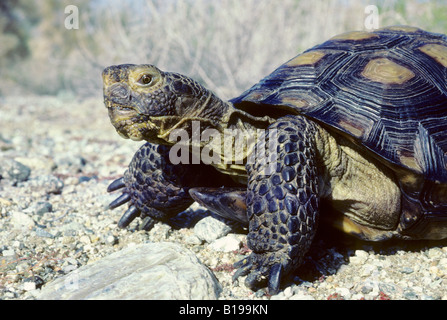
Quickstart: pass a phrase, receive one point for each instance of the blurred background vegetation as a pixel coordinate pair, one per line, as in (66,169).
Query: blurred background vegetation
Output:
(227,44)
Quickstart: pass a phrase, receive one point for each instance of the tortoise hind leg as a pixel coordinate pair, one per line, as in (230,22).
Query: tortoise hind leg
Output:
(282,206)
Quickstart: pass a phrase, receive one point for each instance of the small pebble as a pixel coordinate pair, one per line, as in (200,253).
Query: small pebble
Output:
(13,171)
(360,257)
(226,244)
(193,240)
(43,233)
(301,296)
(22,221)
(8,253)
(85,240)
(344,292)
(111,240)
(210,229)
(42,207)
(407,270)
(28,286)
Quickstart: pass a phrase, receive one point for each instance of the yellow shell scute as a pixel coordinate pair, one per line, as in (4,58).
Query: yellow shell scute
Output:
(436,51)
(357,130)
(386,71)
(355,35)
(400,28)
(410,162)
(308,58)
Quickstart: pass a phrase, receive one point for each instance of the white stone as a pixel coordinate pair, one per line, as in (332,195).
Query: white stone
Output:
(210,229)
(344,292)
(149,271)
(85,239)
(360,257)
(8,253)
(28,286)
(21,221)
(226,244)
(288,292)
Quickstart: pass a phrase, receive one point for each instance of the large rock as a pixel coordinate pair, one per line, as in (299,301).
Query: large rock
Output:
(149,271)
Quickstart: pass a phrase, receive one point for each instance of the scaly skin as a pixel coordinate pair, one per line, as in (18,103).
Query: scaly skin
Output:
(158,190)
(282,206)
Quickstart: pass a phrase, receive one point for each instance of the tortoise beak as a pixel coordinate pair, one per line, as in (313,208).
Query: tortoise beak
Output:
(117,99)
(115,87)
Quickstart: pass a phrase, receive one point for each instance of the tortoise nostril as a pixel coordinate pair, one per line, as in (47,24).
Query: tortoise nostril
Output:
(119,91)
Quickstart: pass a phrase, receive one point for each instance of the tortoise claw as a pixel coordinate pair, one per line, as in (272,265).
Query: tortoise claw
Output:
(128,217)
(260,276)
(243,268)
(115,185)
(122,199)
(275,275)
(147,224)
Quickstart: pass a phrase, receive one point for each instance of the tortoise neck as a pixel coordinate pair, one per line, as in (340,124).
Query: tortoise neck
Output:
(241,120)
(210,110)
(222,115)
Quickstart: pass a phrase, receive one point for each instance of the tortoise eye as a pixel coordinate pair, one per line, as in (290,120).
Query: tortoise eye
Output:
(145,79)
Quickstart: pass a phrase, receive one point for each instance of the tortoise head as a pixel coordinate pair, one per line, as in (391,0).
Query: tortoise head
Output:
(146,103)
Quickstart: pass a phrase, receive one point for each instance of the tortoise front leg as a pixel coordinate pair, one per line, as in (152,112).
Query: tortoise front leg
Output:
(282,206)
(156,189)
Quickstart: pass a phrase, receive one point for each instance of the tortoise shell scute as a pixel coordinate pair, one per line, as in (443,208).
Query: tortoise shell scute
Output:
(385,90)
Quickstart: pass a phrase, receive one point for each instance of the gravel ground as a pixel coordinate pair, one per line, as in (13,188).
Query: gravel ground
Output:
(57,157)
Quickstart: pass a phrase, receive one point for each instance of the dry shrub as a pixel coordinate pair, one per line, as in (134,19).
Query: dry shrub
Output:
(227,44)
